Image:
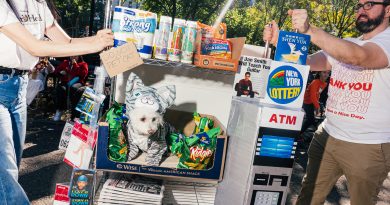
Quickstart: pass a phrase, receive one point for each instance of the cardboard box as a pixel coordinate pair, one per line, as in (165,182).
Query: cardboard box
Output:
(181,121)
(205,61)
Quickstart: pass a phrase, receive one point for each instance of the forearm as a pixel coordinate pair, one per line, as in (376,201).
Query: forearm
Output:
(17,33)
(83,40)
(341,50)
(55,49)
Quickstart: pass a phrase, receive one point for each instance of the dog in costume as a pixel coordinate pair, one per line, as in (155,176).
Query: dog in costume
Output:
(146,129)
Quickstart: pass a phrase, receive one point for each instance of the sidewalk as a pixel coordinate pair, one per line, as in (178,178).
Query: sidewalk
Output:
(42,166)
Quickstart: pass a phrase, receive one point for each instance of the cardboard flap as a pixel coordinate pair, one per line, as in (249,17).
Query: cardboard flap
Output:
(238,45)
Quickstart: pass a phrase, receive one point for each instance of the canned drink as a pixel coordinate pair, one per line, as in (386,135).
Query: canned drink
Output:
(137,26)
(161,40)
(188,44)
(175,40)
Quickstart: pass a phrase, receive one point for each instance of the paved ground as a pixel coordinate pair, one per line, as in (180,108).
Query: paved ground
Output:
(42,165)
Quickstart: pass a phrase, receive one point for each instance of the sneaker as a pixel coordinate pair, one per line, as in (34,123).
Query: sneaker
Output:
(57,116)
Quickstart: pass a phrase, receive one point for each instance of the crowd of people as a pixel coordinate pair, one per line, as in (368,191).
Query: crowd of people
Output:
(353,140)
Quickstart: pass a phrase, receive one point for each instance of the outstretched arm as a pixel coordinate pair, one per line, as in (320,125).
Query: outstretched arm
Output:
(369,55)
(39,48)
(56,33)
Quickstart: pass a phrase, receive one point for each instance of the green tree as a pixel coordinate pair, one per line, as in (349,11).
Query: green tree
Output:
(74,15)
(204,11)
(334,16)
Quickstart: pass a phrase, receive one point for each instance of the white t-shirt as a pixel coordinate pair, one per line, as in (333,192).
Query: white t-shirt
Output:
(35,16)
(358,109)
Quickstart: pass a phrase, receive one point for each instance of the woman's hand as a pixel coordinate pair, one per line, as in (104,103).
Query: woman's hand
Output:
(103,39)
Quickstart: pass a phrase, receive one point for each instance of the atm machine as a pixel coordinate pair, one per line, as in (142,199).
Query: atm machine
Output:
(261,151)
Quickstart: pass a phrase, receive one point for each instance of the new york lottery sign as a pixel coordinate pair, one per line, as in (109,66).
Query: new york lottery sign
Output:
(286,84)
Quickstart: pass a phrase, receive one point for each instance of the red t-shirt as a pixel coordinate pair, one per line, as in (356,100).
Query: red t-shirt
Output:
(75,70)
(313,91)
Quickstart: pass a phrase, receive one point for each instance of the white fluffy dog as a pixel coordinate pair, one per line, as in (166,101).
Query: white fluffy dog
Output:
(144,123)
(145,107)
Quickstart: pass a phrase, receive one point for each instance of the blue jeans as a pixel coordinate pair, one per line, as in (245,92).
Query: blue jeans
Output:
(11,193)
(13,119)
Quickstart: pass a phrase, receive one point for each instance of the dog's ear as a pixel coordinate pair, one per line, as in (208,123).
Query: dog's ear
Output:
(167,96)
(133,82)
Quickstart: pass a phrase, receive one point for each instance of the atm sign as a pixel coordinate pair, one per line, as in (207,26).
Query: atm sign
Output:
(283,119)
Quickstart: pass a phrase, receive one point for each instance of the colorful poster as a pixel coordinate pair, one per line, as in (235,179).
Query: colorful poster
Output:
(292,47)
(286,84)
(251,77)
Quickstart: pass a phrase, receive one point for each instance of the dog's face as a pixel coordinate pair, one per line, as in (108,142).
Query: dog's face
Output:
(145,122)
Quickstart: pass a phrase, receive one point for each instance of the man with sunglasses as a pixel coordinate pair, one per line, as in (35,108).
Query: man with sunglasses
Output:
(354,140)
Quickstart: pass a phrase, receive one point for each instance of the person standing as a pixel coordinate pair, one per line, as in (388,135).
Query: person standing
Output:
(22,26)
(311,100)
(354,139)
(73,74)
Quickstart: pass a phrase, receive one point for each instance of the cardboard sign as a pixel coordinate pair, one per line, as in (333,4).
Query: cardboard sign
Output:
(120,59)
(292,47)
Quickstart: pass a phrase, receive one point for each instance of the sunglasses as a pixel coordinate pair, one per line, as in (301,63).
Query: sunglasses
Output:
(368,5)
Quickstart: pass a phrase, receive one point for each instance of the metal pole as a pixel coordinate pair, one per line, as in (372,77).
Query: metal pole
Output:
(91,18)
(265,55)
(107,21)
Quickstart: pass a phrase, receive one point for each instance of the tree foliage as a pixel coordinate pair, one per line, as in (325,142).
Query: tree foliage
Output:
(199,10)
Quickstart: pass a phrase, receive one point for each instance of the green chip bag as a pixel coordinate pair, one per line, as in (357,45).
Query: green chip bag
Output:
(202,124)
(117,144)
(198,150)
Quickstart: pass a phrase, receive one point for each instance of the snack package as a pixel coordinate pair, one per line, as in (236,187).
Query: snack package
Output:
(199,154)
(178,141)
(210,32)
(88,104)
(217,48)
(202,124)
(117,145)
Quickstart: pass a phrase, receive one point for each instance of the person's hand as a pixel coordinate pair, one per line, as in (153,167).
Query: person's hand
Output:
(104,38)
(300,20)
(74,61)
(271,33)
(63,72)
(317,112)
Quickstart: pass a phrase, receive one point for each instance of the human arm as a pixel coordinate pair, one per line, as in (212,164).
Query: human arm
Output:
(313,91)
(61,67)
(56,33)
(19,34)
(368,55)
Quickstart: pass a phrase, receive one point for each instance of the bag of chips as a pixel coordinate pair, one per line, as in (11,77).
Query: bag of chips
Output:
(202,124)
(117,145)
(210,32)
(198,154)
